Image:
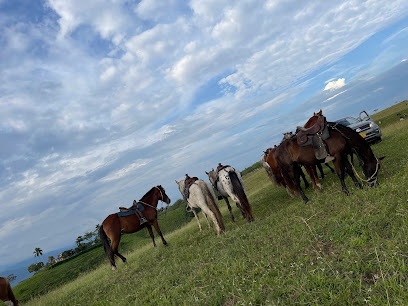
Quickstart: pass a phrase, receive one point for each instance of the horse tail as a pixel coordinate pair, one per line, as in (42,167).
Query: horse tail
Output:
(269,171)
(106,246)
(10,293)
(212,205)
(238,189)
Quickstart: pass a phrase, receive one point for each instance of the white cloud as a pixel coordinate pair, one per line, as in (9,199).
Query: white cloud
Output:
(128,170)
(333,85)
(111,86)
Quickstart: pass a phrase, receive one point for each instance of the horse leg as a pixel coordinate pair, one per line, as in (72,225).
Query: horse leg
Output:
(288,190)
(319,166)
(309,170)
(198,220)
(208,212)
(328,166)
(303,177)
(114,246)
(229,208)
(149,229)
(339,164)
(288,173)
(156,226)
(206,218)
(316,177)
(350,172)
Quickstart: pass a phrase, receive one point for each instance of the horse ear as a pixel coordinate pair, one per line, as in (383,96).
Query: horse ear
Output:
(134,202)
(206,172)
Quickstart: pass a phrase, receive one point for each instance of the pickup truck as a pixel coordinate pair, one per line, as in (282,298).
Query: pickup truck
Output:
(363,125)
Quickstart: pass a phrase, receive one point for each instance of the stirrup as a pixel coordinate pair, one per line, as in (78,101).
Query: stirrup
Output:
(329,158)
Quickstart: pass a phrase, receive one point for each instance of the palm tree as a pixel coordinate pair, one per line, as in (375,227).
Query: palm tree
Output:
(38,252)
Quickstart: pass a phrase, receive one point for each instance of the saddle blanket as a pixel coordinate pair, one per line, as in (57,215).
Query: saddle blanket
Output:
(131,211)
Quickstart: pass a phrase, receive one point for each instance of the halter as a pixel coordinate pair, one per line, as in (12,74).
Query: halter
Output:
(377,167)
(162,200)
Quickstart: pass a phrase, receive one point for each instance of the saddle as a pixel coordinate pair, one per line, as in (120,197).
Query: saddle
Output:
(187,184)
(221,167)
(303,133)
(315,136)
(135,209)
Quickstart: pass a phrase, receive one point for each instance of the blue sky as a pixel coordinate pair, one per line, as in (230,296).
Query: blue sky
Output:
(101,100)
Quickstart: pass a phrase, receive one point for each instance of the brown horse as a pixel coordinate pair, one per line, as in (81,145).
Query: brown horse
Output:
(270,164)
(342,142)
(311,170)
(6,294)
(113,225)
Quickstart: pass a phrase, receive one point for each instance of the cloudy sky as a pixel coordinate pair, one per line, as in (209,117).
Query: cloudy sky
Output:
(101,100)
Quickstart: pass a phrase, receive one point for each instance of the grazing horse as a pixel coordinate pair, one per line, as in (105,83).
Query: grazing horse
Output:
(342,142)
(268,161)
(6,294)
(201,195)
(229,183)
(113,225)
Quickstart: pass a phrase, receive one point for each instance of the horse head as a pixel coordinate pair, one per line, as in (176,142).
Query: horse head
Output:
(371,171)
(211,176)
(180,185)
(163,196)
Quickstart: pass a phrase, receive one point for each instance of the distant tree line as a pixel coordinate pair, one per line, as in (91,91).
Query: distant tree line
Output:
(84,242)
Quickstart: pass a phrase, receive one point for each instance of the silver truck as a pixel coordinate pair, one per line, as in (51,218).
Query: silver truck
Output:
(363,125)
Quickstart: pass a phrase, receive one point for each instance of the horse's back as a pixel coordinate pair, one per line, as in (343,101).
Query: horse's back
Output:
(197,195)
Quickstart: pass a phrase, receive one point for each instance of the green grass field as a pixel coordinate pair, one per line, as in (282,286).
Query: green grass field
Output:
(336,249)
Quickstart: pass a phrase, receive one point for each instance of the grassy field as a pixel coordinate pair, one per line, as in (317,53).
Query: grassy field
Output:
(336,249)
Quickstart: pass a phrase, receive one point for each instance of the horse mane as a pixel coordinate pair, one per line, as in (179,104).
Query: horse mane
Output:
(147,193)
(268,168)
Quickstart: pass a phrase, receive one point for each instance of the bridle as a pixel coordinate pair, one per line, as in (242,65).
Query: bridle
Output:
(162,200)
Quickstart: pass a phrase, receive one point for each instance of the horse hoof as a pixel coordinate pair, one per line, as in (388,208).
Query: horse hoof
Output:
(114,268)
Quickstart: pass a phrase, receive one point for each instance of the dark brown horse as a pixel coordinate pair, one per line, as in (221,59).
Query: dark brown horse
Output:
(6,294)
(270,164)
(113,225)
(342,142)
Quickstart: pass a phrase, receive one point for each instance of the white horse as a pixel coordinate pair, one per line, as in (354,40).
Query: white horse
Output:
(229,182)
(202,196)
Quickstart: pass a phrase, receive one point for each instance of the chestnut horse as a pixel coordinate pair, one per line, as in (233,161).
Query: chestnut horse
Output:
(113,225)
(6,294)
(342,142)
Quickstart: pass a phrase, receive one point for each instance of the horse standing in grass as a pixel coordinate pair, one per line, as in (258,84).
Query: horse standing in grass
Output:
(268,161)
(6,294)
(201,195)
(113,225)
(342,142)
(228,182)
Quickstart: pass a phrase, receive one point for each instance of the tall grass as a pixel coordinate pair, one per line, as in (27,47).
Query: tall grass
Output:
(336,250)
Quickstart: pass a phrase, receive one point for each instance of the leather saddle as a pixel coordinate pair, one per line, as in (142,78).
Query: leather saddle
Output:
(187,184)
(304,135)
(135,209)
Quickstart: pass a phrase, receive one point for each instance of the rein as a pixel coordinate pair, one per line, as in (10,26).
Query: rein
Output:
(377,167)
